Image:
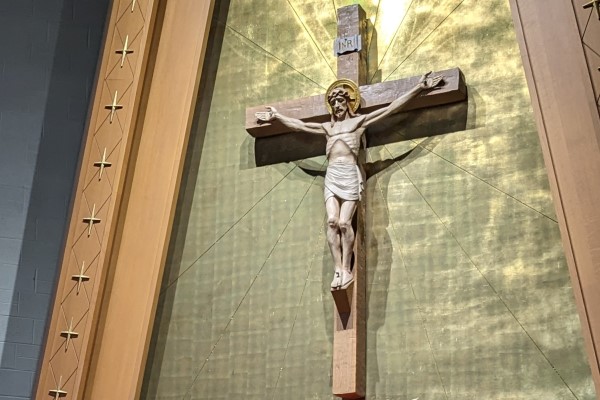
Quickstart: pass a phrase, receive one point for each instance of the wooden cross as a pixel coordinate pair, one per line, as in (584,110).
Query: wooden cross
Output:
(58,392)
(125,50)
(80,277)
(69,333)
(113,107)
(102,164)
(595,4)
(349,347)
(91,220)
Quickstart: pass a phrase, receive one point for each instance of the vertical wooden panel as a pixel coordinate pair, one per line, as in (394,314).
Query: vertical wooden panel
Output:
(73,322)
(568,123)
(119,358)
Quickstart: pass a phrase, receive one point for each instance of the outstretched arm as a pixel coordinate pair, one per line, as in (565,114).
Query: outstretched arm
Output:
(292,123)
(425,83)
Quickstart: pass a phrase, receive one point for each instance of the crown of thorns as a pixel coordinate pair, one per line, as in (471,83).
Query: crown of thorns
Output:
(340,91)
(343,88)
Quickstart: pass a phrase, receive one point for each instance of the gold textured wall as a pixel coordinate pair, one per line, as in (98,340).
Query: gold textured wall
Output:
(469,294)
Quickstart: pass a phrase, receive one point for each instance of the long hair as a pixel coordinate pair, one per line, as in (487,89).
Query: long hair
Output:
(337,92)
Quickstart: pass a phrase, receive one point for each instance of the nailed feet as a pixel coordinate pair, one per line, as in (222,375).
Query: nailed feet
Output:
(342,279)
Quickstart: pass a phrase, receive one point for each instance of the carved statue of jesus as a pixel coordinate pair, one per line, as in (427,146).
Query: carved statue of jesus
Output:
(344,177)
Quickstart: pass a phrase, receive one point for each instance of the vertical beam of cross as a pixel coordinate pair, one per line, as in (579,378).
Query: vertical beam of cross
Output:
(91,220)
(349,338)
(124,51)
(69,334)
(349,331)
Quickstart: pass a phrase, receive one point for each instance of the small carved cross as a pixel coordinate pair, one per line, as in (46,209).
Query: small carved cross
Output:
(595,4)
(58,392)
(113,107)
(69,333)
(125,50)
(81,277)
(102,164)
(91,220)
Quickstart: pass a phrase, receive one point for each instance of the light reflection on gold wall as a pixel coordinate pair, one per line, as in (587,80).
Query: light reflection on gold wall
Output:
(469,295)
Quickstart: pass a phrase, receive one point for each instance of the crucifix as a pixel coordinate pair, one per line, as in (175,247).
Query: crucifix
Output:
(335,119)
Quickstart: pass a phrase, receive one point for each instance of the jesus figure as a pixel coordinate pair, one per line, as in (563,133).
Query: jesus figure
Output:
(344,179)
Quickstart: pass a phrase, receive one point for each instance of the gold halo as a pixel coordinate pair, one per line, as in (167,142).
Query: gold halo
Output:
(352,91)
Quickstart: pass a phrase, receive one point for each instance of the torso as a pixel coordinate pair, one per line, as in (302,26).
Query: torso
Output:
(344,140)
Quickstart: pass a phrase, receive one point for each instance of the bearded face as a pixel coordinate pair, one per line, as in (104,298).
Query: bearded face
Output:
(339,106)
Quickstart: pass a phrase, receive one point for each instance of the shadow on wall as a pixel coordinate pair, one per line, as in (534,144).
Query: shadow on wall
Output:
(53,59)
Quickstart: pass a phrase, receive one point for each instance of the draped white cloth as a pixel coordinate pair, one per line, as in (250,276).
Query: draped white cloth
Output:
(344,180)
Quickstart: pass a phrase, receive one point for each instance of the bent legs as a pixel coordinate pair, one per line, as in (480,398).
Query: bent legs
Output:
(340,237)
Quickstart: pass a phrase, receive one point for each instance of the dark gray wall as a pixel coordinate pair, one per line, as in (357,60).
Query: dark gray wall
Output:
(48,55)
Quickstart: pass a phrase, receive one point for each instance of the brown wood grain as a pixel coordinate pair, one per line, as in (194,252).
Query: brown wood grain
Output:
(566,113)
(137,263)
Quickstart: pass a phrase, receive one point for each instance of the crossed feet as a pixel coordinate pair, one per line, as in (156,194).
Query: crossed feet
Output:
(342,279)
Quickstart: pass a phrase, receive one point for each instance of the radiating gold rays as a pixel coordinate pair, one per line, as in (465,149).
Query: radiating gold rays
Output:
(396,30)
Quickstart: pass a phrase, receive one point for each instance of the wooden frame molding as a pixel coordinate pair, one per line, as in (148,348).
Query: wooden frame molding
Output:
(566,112)
(119,358)
(125,199)
(97,199)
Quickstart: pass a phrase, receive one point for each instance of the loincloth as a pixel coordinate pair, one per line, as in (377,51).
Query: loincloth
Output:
(344,181)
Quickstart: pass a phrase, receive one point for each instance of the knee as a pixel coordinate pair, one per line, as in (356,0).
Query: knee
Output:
(345,226)
(333,223)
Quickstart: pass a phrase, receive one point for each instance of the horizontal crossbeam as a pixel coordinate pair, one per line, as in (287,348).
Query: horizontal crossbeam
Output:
(373,97)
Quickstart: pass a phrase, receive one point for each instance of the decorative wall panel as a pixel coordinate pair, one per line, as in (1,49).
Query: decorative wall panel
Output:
(109,138)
